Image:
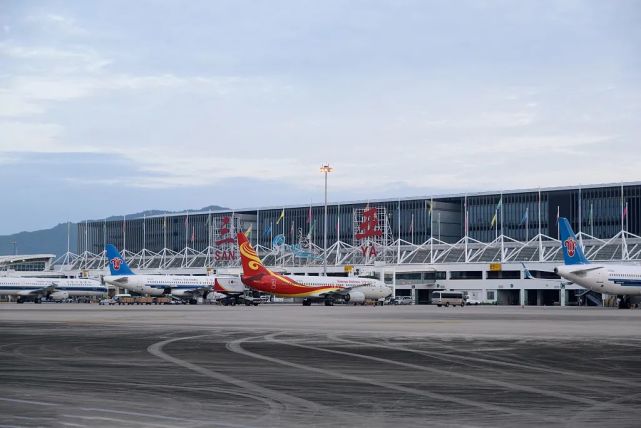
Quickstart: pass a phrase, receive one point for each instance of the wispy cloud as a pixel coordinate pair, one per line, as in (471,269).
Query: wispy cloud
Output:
(59,23)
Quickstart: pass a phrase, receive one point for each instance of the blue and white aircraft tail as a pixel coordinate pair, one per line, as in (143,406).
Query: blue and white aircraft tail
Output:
(615,279)
(572,251)
(117,265)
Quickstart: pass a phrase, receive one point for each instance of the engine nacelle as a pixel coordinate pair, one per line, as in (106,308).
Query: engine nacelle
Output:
(355,297)
(59,295)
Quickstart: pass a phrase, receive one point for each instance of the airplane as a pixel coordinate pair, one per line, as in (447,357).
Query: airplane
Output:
(230,290)
(56,289)
(311,288)
(181,286)
(617,279)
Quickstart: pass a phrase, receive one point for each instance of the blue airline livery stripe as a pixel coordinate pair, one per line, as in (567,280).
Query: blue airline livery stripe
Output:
(627,282)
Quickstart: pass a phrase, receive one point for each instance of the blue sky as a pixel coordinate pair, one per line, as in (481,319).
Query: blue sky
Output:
(111,107)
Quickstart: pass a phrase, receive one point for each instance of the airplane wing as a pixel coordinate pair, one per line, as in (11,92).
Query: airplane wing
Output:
(201,291)
(582,272)
(40,291)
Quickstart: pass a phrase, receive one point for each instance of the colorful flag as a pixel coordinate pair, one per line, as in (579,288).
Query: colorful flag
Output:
(311,230)
(500,204)
(268,230)
(248,232)
(282,216)
(193,234)
(526,216)
(625,212)
(493,220)
(309,215)
(412,224)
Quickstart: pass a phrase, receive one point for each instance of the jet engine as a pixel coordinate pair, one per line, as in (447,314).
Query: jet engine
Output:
(355,297)
(59,295)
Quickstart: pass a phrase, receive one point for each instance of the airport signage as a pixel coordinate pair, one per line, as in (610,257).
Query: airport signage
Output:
(495,267)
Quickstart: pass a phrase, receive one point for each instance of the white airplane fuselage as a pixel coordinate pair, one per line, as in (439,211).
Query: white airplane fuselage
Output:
(604,278)
(57,289)
(159,285)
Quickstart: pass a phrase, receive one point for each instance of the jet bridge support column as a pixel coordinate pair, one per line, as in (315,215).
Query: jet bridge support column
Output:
(562,296)
(522,297)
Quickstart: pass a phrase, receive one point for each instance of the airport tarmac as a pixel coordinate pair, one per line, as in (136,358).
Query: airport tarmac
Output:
(286,365)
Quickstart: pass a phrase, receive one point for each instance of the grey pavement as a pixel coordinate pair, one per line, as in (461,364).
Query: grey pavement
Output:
(286,365)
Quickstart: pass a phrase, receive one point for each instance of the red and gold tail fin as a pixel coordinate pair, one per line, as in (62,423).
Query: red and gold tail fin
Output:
(251,262)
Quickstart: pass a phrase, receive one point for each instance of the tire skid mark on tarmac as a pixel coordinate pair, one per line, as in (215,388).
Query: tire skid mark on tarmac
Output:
(500,363)
(479,379)
(236,346)
(143,385)
(583,415)
(481,364)
(170,419)
(277,401)
(503,384)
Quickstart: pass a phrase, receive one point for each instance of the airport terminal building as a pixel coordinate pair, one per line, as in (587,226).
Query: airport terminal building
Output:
(478,242)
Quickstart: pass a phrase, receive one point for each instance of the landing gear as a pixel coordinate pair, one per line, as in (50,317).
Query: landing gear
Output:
(307,302)
(37,300)
(329,302)
(19,300)
(193,301)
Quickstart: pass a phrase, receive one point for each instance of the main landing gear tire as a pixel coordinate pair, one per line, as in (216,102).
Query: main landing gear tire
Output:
(37,300)
(193,301)
(307,302)
(329,302)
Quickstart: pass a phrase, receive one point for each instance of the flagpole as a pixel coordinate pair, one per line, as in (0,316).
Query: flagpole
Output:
(398,254)
(412,228)
(540,237)
(104,235)
(432,230)
(558,216)
(439,226)
(124,235)
(465,226)
(580,220)
(144,241)
(502,239)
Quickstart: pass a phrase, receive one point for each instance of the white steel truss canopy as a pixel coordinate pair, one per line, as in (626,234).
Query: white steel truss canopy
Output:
(624,246)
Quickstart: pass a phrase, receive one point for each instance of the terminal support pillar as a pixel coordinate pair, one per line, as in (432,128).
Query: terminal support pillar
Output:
(539,298)
(394,283)
(562,296)
(522,297)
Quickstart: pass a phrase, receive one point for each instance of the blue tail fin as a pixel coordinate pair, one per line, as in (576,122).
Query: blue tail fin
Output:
(117,265)
(527,273)
(572,251)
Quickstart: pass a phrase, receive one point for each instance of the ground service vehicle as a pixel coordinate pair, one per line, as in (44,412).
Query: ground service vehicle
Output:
(447,298)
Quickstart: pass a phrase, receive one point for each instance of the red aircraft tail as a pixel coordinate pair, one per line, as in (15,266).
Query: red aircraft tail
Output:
(251,262)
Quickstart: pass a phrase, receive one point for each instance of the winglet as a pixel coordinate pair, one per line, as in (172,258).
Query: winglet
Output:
(572,251)
(117,264)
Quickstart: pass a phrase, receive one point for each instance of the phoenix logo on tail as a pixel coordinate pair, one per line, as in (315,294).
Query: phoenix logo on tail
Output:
(310,288)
